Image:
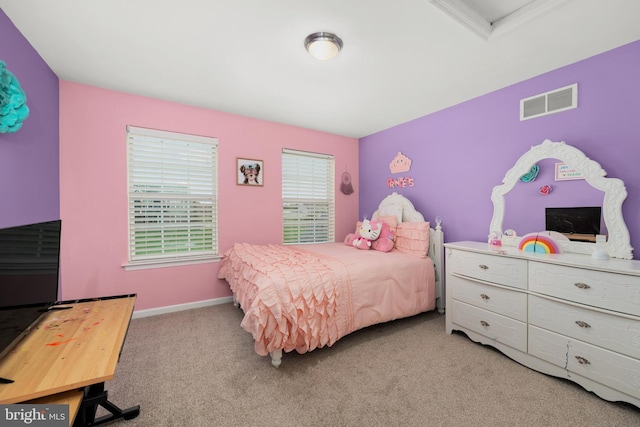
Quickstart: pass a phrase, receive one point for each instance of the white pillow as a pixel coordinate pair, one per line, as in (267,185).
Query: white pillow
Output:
(391,210)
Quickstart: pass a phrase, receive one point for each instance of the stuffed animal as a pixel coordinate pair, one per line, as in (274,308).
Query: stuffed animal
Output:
(384,242)
(367,233)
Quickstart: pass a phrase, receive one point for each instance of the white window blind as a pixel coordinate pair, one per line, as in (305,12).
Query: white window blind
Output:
(173,188)
(308,201)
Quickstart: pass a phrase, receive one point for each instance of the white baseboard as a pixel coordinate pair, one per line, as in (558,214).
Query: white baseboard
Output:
(179,307)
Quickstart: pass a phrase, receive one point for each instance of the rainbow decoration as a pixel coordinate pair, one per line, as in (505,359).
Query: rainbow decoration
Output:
(538,243)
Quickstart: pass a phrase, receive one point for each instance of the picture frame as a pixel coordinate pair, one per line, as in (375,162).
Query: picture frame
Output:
(564,173)
(249,172)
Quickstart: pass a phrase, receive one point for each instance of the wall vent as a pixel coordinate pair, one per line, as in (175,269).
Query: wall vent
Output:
(550,102)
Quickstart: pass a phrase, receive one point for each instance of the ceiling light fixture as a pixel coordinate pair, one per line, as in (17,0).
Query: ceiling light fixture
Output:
(323,46)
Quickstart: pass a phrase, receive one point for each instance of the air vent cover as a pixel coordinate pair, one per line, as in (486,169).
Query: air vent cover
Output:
(551,102)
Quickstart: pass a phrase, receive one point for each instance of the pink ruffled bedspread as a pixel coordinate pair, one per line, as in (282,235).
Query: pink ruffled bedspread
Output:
(305,297)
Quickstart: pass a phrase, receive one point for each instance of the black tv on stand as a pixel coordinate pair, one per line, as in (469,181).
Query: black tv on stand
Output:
(580,224)
(29,268)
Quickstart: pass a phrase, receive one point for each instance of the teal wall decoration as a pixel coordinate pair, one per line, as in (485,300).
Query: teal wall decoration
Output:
(13,102)
(531,175)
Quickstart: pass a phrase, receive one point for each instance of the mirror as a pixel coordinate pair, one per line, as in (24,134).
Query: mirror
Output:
(571,199)
(613,189)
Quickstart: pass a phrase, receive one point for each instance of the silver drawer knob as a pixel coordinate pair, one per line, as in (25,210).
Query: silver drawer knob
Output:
(483,323)
(581,285)
(484,267)
(484,296)
(582,360)
(582,324)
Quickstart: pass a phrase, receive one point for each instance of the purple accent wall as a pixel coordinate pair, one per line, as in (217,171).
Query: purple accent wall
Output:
(29,166)
(459,154)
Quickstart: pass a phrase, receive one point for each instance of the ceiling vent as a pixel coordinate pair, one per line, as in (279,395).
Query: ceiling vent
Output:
(550,102)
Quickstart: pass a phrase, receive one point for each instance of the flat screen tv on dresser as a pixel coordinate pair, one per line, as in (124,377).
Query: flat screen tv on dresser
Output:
(577,223)
(29,266)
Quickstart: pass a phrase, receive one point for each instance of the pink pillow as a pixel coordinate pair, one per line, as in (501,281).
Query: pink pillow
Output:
(413,238)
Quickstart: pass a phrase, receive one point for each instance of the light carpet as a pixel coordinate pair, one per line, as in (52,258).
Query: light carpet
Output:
(198,368)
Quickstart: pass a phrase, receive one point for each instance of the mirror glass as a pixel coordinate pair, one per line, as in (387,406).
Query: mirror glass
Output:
(525,204)
(520,204)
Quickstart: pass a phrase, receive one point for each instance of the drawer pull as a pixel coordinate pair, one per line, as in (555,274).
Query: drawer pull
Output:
(484,267)
(582,285)
(483,323)
(582,324)
(582,360)
(484,296)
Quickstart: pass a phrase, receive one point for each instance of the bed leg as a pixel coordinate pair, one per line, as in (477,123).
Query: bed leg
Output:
(276,357)
(235,301)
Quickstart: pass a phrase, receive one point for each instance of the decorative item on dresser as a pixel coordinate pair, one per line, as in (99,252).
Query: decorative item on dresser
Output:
(618,244)
(565,314)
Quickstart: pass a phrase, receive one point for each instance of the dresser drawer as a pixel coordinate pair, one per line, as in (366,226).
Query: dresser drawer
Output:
(494,326)
(499,300)
(613,332)
(611,291)
(491,268)
(614,370)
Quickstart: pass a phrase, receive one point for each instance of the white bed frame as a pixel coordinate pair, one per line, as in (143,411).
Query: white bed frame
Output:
(436,253)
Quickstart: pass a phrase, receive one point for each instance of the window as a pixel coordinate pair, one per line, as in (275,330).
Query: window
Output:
(172,181)
(308,202)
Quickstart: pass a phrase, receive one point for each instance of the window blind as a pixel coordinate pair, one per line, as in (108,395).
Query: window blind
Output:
(172,187)
(308,197)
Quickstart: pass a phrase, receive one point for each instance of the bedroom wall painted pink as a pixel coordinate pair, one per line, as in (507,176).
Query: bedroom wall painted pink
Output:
(93,191)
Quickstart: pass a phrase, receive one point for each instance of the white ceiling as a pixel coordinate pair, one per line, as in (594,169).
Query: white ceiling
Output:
(401,59)
(493,10)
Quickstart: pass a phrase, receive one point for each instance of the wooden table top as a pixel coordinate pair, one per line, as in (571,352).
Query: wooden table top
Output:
(72,398)
(68,349)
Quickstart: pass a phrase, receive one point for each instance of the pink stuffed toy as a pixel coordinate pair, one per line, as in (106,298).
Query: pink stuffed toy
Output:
(367,234)
(372,235)
(384,242)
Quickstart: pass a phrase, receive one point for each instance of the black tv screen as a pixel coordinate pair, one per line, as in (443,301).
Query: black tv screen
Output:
(29,266)
(582,223)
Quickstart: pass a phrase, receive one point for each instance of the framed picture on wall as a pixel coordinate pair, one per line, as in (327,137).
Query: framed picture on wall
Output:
(249,172)
(565,173)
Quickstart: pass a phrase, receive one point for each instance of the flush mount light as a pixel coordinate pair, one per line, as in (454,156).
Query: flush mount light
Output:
(323,45)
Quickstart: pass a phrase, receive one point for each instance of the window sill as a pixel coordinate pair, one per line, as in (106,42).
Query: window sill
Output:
(148,264)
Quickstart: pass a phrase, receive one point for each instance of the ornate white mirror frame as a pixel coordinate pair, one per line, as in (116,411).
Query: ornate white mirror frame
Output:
(618,242)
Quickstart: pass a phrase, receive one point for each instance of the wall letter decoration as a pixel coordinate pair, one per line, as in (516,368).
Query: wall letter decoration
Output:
(402,182)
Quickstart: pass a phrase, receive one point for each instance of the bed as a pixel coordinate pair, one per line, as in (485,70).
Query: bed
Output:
(303,297)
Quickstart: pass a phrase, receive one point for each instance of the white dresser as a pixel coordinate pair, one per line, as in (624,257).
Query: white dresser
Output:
(566,315)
